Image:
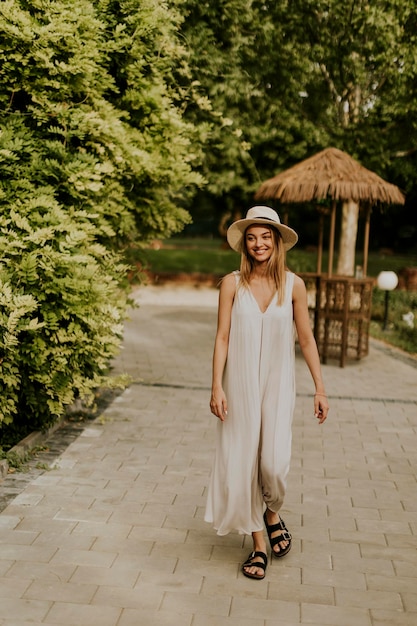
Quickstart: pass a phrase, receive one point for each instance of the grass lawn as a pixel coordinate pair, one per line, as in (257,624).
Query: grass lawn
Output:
(209,256)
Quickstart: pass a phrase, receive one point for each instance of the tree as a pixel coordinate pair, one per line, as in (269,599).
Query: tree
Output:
(240,73)
(144,51)
(362,66)
(295,77)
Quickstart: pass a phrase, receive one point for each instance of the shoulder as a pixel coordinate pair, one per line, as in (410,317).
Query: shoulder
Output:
(226,298)
(299,288)
(228,284)
(230,279)
(298,281)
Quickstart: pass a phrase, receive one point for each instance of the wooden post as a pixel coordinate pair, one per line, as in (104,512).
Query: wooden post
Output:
(331,241)
(348,233)
(320,248)
(366,240)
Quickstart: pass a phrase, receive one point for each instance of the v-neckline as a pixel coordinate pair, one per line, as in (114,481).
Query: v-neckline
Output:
(257,303)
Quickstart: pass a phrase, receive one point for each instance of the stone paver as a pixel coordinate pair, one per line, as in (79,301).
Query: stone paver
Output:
(114,533)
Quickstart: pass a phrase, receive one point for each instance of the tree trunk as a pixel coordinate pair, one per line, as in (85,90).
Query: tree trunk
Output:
(347,245)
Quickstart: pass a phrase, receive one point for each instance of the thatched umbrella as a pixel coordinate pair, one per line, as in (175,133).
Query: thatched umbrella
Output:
(332,174)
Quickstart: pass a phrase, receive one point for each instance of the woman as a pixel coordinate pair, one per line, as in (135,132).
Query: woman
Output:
(253,387)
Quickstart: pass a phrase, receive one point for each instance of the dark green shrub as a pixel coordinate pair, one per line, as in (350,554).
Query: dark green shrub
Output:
(93,155)
(61,309)
(400,303)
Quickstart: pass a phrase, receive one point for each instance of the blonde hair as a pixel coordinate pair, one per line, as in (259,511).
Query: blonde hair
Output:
(275,269)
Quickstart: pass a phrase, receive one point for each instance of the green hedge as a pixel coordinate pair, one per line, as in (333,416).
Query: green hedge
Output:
(94,155)
(61,310)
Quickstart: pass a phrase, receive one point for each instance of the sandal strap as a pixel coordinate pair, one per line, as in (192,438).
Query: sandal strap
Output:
(282,524)
(249,561)
(284,536)
(273,528)
(280,527)
(276,528)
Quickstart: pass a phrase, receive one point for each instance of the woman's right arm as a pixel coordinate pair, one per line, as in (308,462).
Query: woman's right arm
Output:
(218,401)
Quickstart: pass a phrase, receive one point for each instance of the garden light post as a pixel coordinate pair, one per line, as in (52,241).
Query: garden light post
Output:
(387,281)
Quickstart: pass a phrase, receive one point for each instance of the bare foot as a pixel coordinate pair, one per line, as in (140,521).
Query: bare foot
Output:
(255,565)
(249,568)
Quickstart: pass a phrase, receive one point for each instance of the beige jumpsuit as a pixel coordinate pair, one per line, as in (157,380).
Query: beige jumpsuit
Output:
(253,446)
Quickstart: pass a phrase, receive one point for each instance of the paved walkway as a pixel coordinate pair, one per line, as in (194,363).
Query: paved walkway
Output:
(114,534)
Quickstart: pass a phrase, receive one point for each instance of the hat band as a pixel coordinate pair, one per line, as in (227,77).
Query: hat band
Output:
(265,218)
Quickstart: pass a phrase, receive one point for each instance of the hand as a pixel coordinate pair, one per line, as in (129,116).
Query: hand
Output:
(321,407)
(218,404)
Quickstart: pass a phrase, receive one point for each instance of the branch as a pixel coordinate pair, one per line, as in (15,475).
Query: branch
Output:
(400,154)
(329,80)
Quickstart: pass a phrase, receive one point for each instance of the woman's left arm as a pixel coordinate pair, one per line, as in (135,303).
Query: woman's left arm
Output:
(309,347)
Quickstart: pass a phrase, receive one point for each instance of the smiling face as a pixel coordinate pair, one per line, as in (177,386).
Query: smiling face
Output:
(259,242)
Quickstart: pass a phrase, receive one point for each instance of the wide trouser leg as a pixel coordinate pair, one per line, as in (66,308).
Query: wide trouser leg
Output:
(275,453)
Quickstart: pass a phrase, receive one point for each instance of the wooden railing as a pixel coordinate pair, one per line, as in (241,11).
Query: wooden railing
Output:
(340,311)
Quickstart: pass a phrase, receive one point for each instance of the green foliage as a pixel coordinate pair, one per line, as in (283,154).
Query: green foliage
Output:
(408,338)
(93,155)
(400,302)
(61,308)
(292,78)
(362,65)
(399,333)
(90,81)
(145,52)
(15,461)
(218,89)
(18,460)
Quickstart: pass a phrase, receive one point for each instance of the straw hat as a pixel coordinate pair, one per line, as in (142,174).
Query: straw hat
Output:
(255,216)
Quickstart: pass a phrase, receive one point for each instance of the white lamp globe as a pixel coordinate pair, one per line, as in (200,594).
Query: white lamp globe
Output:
(387,280)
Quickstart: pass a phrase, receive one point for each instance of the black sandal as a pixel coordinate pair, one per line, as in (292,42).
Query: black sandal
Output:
(249,563)
(284,536)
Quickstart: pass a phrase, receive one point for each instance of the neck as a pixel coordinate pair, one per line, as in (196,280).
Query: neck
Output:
(259,270)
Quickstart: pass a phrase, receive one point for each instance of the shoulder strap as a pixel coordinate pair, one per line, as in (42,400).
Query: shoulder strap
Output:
(289,285)
(236,275)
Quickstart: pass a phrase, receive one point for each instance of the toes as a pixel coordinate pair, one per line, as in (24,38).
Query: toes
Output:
(280,546)
(256,571)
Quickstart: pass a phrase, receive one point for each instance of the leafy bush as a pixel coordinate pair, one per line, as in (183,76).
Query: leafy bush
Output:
(400,303)
(93,155)
(61,309)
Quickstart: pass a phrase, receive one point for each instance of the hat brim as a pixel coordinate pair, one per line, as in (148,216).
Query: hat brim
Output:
(236,232)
